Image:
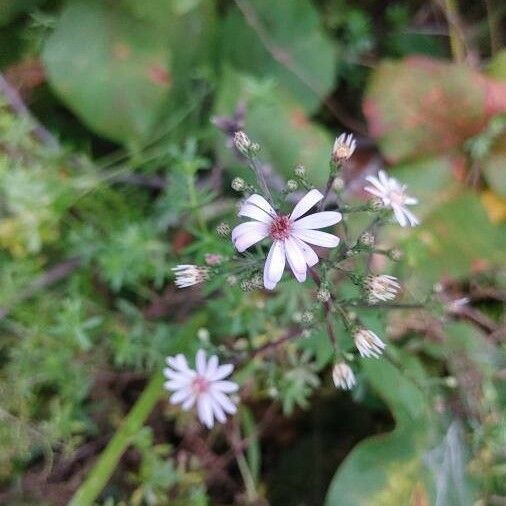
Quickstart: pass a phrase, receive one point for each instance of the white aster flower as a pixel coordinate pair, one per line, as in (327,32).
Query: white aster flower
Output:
(368,343)
(344,147)
(382,288)
(291,235)
(393,195)
(343,376)
(189,275)
(204,387)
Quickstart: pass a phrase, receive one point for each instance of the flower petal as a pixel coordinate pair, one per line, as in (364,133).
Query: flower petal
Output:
(295,259)
(399,215)
(205,410)
(178,362)
(250,235)
(222,372)
(180,396)
(188,403)
(376,182)
(255,212)
(274,265)
(317,237)
(259,201)
(248,227)
(318,220)
(311,198)
(219,414)
(201,362)
(212,366)
(226,387)
(224,401)
(309,254)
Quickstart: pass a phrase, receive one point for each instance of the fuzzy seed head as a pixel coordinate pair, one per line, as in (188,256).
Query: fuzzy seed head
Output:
(323,295)
(189,275)
(223,229)
(292,185)
(300,171)
(367,239)
(382,288)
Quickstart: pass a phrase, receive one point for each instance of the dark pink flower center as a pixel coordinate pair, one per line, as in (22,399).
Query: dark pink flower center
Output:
(280,228)
(200,385)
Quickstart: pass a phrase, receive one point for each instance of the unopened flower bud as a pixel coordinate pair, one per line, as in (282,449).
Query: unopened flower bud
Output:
(254,148)
(246,285)
(344,147)
(238,184)
(223,229)
(307,317)
(395,254)
(338,184)
(323,295)
(343,376)
(297,317)
(367,239)
(203,334)
(291,185)
(231,279)
(376,204)
(242,143)
(300,171)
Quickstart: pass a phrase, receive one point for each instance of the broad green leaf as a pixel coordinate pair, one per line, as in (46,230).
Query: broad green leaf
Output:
(457,238)
(388,469)
(119,65)
(282,40)
(285,133)
(420,107)
(109,67)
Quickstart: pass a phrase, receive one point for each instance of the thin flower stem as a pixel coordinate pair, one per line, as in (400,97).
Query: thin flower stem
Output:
(255,167)
(387,305)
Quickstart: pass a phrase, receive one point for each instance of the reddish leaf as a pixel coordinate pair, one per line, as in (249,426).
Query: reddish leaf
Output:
(419,106)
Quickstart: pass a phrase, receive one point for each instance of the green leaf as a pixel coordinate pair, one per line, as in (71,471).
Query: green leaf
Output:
(388,469)
(455,239)
(285,41)
(285,133)
(111,68)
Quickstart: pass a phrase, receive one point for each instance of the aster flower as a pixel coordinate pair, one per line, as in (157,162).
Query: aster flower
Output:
(291,235)
(204,387)
(368,343)
(344,147)
(382,288)
(393,194)
(189,275)
(343,376)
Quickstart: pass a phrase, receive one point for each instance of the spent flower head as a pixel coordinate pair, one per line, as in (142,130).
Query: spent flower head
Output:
(291,235)
(189,275)
(344,147)
(223,229)
(205,386)
(242,143)
(382,287)
(368,343)
(343,376)
(393,195)
(238,184)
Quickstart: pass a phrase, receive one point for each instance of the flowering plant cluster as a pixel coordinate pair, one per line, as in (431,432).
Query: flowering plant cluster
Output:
(283,236)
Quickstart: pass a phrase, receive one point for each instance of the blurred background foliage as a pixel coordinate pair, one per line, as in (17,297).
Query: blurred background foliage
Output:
(112,171)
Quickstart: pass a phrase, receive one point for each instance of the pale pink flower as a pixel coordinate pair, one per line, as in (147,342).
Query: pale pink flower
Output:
(204,387)
(343,376)
(368,343)
(393,194)
(291,235)
(344,147)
